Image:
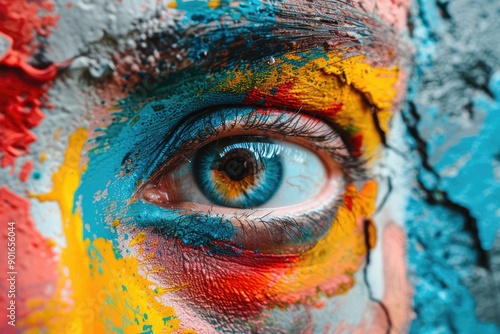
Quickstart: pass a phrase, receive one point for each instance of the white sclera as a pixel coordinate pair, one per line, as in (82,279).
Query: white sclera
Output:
(304,176)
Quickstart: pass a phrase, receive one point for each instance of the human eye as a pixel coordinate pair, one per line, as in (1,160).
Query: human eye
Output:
(244,172)
(276,176)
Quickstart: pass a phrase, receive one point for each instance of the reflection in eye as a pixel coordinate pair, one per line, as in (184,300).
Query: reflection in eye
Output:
(248,172)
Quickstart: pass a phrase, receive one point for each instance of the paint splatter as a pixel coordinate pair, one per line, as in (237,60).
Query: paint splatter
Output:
(22,86)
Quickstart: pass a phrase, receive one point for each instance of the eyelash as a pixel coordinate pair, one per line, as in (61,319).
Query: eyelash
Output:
(353,166)
(288,225)
(271,230)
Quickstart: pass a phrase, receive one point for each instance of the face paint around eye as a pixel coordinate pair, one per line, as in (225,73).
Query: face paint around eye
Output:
(191,178)
(227,262)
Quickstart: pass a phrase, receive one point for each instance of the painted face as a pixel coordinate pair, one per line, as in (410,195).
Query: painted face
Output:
(206,166)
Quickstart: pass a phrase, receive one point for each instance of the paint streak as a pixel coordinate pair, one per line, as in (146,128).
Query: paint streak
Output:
(399,292)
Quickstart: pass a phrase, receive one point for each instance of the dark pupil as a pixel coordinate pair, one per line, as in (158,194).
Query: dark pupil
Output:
(236,168)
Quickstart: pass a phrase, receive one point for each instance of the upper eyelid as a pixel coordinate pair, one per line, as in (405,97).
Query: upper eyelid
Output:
(353,166)
(204,113)
(309,28)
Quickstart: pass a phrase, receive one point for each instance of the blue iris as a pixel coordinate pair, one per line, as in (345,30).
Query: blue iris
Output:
(239,172)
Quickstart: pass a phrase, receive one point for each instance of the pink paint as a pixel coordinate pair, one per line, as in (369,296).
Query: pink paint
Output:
(393,12)
(398,294)
(35,260)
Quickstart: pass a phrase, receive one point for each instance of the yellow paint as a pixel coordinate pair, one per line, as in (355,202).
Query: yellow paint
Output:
(329,267)
(213,3)
(96,292)
(43,156)
(323,82)
(138,239)
(172,5)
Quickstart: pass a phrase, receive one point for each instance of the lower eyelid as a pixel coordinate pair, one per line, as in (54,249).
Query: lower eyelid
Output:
(286,229)
(264,232)
(283,229)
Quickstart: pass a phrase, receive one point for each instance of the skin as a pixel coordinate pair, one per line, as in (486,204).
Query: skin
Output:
(120,263)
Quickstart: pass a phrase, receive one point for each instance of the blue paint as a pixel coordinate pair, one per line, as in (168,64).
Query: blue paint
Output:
(194,229)
(216,29)
(127,154)
(474,185)
(441,257)
(441,253)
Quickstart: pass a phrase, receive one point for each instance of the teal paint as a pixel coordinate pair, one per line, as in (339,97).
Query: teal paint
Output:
(452,120)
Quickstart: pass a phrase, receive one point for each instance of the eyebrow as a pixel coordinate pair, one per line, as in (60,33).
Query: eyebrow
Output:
(219,37)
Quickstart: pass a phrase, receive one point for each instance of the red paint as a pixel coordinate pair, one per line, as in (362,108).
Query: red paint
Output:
(35,260)
(333,110)
(238,285)
(25,171)
(283,96)
(20,99)
(357,144)
(22,87)
(22,21)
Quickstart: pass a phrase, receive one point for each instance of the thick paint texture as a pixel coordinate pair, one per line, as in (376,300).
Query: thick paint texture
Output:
(330,87)
(31,249)
(194,255)
(22,86)
(452,216)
